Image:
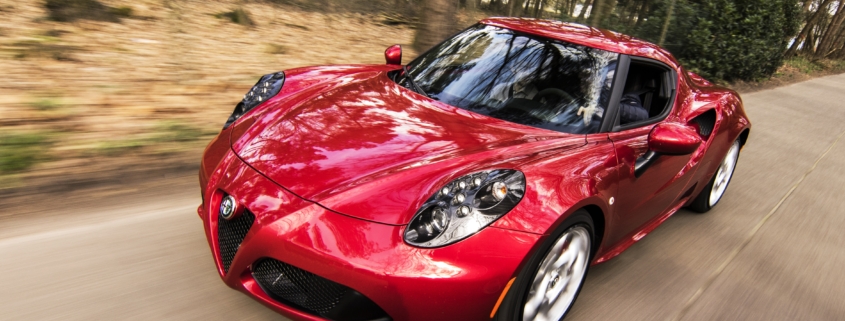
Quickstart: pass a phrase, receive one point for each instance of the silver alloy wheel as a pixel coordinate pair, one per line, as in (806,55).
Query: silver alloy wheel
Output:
(559,276)
(723,175)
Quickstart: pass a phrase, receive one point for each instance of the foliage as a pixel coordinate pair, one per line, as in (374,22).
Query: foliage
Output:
(119,147)
(805,65)
(45,47)
(46,104)
(177,132)
(277,49)
(19,151)
(739,39)
(164,133)
(71,10)
(122,12)
(719,39)
(238,15)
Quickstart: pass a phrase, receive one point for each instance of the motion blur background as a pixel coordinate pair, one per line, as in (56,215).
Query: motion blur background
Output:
(105,91)
(106,105)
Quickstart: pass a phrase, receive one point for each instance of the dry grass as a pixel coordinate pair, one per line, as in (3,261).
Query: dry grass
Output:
(161,77)
(106,87)
(794,70)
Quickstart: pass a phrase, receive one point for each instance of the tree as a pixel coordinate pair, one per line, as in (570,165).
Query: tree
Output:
(740,39)
(666,22)
(437,21)
(810,25)
(827,41)
(600,10)
(583,14)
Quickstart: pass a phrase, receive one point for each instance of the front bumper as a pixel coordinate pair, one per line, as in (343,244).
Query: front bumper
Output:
(458,282)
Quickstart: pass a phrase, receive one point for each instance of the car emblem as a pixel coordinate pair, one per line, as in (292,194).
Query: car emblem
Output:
(227,207)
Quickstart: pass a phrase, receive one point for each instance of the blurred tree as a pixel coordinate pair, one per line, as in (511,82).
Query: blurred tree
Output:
(515,7)
(720,39)
(437,21)
(811,23)
(71,10)
(739,39)
(666,22)
(582,16)
(826,44)
(598,12)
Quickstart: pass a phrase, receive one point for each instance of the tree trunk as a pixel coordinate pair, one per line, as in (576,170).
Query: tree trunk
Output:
(666,22)
(596,12)
(628,9)
(838,46)
(809,46)
(515,7)
(436,23)
(807,30)
(642,13)
(470,5)
(805,8)
(537,7)
(496,6)
(584,9)
(832,32)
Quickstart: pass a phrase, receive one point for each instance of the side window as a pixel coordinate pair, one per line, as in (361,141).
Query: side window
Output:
(647,94)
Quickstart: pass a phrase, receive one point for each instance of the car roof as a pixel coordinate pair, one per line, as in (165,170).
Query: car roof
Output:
(587,36)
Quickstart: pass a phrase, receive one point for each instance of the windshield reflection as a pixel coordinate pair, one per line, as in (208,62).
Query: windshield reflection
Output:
(520,78)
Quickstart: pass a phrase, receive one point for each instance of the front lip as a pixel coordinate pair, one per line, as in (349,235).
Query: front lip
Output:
(463,280)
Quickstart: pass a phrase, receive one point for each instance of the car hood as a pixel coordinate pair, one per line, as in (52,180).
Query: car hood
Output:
(364,146)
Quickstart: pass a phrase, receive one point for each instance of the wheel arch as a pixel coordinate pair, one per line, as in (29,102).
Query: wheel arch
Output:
(743,136)
(523,273)
(599,223)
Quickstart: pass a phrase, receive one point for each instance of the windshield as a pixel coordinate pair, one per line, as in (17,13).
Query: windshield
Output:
(517,77)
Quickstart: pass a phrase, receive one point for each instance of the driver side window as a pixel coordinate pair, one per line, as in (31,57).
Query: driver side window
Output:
(647,94)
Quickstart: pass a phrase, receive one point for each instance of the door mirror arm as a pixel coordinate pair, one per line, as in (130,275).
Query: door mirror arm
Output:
(667,139)
(644,162)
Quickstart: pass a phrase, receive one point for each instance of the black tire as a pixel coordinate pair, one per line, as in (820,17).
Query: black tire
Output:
(512,306)
(702,202)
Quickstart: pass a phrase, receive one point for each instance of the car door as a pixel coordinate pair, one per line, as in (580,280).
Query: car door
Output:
(649,185)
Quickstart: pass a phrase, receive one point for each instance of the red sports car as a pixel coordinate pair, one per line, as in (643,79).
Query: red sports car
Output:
(479,181)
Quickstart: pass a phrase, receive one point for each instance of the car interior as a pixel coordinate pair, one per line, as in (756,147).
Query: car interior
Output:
(653,85)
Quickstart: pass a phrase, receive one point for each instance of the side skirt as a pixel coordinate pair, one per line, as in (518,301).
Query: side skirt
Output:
(629,240)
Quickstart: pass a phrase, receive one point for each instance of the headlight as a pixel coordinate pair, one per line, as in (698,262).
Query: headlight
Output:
(266,87)
(465,206)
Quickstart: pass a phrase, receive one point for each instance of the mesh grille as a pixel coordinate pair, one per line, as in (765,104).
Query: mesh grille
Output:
(297,286)
(706,122)
(230,234)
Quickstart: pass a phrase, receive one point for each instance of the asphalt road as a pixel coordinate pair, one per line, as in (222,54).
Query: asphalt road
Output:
(771,250)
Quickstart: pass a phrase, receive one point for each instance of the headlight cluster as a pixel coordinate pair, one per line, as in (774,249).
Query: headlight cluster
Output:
(465,206)
(266,87)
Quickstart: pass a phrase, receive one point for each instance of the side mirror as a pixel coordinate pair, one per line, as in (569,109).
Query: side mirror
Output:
(393,55)
(673,139)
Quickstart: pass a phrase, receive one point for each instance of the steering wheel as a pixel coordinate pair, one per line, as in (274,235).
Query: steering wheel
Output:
(553,92)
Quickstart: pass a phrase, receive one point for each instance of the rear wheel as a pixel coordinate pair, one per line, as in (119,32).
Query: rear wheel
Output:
(547,287)
(713,192)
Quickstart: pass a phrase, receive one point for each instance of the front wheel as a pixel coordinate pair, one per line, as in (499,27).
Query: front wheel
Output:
(713,192)
(548,286)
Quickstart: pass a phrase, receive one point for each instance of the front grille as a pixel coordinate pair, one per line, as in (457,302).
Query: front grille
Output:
(230,234)
(297,286)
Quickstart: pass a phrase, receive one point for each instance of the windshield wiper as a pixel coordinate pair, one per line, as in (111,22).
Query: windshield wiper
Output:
(410,79)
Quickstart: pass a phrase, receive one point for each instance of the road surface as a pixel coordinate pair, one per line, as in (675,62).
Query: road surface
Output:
(771,250)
